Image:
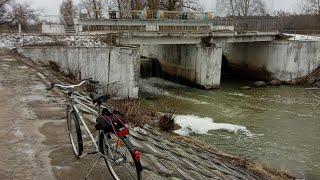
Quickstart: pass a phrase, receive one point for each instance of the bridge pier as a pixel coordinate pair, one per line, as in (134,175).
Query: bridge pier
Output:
(198,64)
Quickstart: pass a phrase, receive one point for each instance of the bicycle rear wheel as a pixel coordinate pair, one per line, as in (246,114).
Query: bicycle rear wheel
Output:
(74,132)
(122,163)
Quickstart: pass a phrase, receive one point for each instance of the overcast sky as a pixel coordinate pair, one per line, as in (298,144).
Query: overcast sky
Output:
(50,7)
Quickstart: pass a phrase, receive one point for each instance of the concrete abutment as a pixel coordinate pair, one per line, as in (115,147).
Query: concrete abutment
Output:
(287,61)
(197,64)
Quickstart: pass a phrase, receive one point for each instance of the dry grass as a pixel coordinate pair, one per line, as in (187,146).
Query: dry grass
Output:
(166,122)
(54,66)
(134,114)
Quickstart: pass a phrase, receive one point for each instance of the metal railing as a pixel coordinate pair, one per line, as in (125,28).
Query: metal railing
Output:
(258,25)
(200,27)
(146,15)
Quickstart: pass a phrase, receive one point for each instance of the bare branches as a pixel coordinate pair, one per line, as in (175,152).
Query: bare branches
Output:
(4,12)
(243,8)
(67,12)
(23,14)
(179,5)
(311,7)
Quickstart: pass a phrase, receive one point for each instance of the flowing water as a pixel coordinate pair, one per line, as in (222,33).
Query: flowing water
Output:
(278,126)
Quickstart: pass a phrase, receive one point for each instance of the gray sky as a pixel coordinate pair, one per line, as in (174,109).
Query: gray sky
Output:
(50,7)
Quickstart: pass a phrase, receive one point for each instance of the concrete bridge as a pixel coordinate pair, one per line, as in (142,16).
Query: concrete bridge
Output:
(191,46)
(188,46)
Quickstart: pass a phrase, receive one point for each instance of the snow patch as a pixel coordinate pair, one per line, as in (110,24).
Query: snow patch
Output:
(195,124)
(300,37)
(11,41)
(22,67)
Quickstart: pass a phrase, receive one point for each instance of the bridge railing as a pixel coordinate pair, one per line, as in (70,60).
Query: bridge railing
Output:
(258,25)
(146,15)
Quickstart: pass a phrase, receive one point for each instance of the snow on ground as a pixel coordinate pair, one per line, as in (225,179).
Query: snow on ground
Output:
(11,41)
(300,37)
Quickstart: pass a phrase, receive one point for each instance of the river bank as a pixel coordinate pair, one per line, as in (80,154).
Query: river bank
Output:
(277,126)
(185,160)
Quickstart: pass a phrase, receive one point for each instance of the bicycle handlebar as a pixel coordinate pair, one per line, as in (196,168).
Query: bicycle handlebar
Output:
(90,80)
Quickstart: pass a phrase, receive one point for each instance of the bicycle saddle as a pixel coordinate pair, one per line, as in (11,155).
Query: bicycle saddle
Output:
(96,99)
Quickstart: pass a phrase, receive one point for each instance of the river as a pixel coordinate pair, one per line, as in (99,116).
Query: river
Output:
(277,126)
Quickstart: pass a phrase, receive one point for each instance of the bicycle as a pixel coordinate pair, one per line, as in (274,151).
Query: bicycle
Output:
(112,141)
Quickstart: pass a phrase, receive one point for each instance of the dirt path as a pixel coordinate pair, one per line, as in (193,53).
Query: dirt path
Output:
(34,142)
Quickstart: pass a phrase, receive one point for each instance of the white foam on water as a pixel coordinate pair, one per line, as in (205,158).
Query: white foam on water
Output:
(195,124)
(238,94)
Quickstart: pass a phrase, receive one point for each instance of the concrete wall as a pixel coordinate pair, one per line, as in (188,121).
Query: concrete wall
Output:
(53,29)
(58,28)
(123,65)
(195,63)
(283,60)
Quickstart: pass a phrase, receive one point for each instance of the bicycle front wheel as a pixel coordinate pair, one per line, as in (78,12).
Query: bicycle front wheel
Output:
(119,157)
(74,131)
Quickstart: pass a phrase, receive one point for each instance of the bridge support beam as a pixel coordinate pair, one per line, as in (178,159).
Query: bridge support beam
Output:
(197,64)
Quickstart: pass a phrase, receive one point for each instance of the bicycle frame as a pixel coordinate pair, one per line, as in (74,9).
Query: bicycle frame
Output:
(75,108)
(94,140)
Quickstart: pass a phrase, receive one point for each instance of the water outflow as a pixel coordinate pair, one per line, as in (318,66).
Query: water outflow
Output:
(279,126)
(150,68)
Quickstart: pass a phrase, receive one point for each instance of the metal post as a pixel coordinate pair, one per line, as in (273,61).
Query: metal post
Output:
(19,28)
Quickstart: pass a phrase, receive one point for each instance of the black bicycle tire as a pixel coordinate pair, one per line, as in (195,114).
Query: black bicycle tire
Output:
(78,130)
(101,138)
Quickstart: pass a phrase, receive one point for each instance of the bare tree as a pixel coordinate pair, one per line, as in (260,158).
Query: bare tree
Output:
(4,12)
(23,14)
(67,12)
(179,5)
(311,7)
(243,8)
(95,7)
(153,4)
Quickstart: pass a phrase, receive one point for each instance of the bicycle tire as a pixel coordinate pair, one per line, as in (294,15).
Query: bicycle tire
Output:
(109,165)
(76,142)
